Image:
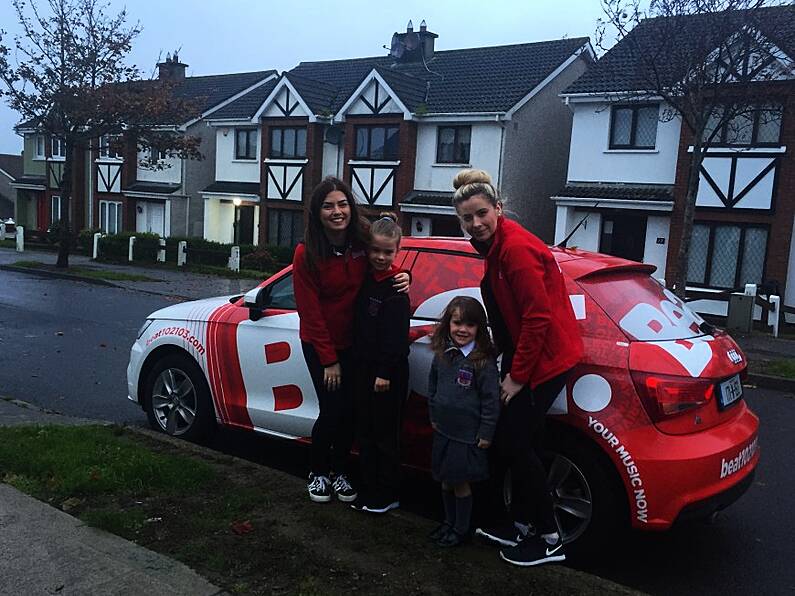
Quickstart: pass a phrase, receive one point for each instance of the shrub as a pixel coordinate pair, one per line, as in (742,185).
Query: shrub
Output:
(115,247)
(259,260)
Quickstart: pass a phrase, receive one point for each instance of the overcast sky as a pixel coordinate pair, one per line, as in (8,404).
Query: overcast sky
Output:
(244,35)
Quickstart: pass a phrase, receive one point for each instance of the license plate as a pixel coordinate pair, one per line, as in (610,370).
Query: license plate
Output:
(730,391)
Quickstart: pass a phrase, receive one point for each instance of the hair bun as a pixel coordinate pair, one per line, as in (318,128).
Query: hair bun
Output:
(465,177)
(388,215)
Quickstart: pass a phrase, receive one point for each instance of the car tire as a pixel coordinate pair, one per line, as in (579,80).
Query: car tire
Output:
(177,398)
(590,505)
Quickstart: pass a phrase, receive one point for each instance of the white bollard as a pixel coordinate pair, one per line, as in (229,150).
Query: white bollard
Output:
(774,316)
(2,231)
(20,239)
(95,252)
(750,290)
(182,253)
(234,259)
(130,250)
(161,253)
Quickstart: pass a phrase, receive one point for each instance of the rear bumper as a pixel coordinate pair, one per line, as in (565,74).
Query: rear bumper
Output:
(715,503)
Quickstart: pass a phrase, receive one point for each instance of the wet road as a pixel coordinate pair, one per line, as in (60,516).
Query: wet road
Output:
(65,346)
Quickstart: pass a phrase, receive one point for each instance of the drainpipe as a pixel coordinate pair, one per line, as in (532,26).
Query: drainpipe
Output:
(90,184)
(502,149)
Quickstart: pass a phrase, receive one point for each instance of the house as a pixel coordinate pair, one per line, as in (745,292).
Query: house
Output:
(10,170)
(112,189)
(629,162)
(397,128)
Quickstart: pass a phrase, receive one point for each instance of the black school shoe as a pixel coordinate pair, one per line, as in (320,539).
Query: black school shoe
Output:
(452,538)
(439,531)
(534,551)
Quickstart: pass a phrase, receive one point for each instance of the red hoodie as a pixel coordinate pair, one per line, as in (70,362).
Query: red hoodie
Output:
(531,296)
(325,299)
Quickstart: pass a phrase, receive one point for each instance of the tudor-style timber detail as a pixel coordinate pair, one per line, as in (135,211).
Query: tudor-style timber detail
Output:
(737,182)
(374,181)
(55,173)
(285,178)
(109,177)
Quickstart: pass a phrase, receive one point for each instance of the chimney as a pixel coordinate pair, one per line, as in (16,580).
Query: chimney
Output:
(171,69)
(413,46)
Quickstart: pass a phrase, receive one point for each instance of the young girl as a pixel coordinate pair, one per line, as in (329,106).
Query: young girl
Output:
(381,348)
(463,398)
(329,267)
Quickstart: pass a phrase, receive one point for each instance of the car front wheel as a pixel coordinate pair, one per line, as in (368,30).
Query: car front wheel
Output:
(177,398)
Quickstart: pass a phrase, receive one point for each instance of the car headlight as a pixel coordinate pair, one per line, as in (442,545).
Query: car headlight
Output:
(144,327)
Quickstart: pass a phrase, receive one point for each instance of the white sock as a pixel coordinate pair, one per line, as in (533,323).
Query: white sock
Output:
(551,538)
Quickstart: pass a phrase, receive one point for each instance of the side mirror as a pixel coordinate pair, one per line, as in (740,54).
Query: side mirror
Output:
(256,300)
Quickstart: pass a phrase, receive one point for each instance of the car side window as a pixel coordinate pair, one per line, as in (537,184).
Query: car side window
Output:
(282,294)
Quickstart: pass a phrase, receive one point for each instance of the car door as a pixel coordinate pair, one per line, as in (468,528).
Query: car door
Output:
(280,396)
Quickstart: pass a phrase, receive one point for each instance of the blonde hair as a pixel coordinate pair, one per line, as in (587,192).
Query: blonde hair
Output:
(468,183)
(386,225)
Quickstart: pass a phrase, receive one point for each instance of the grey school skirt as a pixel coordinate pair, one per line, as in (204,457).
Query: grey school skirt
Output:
(455,462)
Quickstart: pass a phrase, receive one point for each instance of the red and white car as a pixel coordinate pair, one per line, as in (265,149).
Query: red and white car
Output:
(651,428)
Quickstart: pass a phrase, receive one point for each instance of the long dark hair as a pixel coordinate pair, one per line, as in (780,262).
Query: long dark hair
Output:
(317,246)
(469,311)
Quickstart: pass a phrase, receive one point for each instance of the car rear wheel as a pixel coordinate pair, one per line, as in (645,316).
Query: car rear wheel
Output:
(177,398)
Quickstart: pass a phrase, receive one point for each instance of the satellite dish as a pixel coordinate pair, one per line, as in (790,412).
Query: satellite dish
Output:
(412,41)
(334,134)
(397,48)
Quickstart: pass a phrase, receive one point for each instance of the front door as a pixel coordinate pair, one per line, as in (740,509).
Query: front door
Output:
(245,225)
(151,217)
(623,235)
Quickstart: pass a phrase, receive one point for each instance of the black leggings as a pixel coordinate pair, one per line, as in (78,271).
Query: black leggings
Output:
(332,434)
(518,448)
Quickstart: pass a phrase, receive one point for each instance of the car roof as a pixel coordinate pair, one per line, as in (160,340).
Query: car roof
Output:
(574,262)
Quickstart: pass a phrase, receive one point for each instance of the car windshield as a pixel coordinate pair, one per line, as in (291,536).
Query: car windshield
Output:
(643,308)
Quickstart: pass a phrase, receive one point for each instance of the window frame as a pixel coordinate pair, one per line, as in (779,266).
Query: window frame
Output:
(105,220)
(720,139)
(105,151)
(633,131)
(272,154)
(276,214)
(712,225)
(370,128)
(244,154)
(456,129)
(61,145)
(39,142)
(55,201)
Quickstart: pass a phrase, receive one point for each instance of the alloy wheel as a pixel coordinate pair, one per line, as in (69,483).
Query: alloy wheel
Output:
(174,401)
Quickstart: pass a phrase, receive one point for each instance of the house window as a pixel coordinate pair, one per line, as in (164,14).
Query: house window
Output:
(727,255)
(287,142)
(285,227)
(40,146)
(108,147)
(377,142)
(753,126)
(58,147)
(110,217)
(634,127)
(245,143)
(57,210)
(156,155)
(452,144)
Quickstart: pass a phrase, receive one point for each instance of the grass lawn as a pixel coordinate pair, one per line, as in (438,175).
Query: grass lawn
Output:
(86,272)
(250,529)
(781,368)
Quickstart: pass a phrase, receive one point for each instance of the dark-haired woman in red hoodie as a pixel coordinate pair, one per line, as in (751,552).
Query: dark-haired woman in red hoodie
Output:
(533,325)
(328,270)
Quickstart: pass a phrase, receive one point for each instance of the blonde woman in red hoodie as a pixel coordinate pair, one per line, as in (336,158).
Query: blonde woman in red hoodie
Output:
(329,267)
(534,327)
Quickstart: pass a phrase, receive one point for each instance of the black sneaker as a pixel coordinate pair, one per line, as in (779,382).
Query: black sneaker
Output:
(534,551)
(505,535)
(319,489)
(343,489)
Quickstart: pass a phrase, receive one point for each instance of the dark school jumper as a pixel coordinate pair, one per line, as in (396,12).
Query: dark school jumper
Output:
(533,325)
(381,348)
(325,300)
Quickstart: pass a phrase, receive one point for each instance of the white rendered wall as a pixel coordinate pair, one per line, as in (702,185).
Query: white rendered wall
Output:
(218,220)
(587,236)
(171,174)
(657,226)
(229,169)
(591,160)
(484,154)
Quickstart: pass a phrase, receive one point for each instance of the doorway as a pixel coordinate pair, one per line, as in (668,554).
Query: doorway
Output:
(244,224)
(623,235)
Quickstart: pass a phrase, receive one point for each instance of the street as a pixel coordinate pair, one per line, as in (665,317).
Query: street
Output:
(65,346)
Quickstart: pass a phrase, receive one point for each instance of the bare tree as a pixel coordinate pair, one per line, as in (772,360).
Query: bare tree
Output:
(705,61)
(69,80)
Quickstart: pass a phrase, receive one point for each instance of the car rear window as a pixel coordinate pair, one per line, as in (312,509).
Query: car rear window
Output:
(642,307)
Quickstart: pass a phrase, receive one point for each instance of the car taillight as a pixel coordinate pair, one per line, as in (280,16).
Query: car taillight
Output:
(665,396)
